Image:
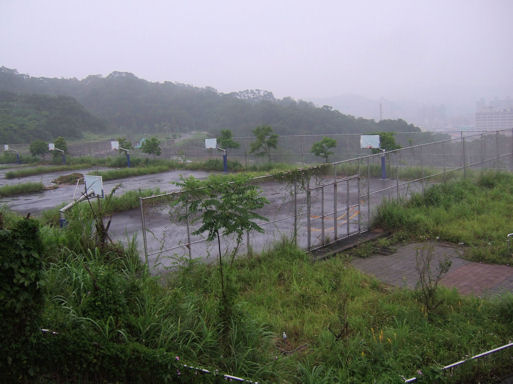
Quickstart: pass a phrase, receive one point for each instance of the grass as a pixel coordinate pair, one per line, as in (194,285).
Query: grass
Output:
(476,211)
(24,172)
(130,172)
(280,291)
(216,165)
(127,201)
(340,325)
(20,189)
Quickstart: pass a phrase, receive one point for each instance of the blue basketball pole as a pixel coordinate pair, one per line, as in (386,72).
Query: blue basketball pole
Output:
(18,158)
(383,167)
(225,162)
(127,159)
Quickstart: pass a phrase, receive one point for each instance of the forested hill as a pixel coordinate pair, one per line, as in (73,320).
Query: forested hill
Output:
(130,104)
(24,118)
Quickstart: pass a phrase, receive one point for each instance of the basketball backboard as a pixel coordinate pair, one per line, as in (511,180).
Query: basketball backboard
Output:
(94,185)
(369,141)
(6,147)
(51,146)
(114,145)
(210,143)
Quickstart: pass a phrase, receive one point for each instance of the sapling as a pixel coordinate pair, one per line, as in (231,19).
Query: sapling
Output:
(224,206)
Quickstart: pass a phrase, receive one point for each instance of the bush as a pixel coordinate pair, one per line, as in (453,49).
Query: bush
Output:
(77,356)
(21,300)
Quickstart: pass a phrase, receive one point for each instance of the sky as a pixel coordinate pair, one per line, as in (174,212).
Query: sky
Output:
(395,49)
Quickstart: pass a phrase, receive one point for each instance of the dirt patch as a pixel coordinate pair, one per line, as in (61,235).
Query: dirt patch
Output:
(72,178)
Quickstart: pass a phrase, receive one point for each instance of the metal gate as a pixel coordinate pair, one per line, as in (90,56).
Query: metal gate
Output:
(332,211)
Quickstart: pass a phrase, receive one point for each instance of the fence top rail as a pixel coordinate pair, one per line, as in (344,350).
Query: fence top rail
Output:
(398,132)
(374,155)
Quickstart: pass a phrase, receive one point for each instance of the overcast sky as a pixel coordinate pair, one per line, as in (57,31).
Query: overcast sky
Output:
(303,49)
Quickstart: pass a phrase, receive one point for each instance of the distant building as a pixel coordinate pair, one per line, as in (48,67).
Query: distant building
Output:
(495,116)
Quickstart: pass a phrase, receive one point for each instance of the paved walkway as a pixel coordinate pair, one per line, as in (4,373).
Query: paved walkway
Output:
(399,269)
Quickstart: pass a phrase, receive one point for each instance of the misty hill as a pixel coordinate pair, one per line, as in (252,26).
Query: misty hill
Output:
(130,104)
(24,118)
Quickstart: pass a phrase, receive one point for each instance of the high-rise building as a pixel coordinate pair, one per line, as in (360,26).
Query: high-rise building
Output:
(495,116)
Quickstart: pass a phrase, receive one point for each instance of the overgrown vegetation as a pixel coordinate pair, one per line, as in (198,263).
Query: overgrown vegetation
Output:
(25,172)
(292,321)
(126,201)
(20,189)
(475,212)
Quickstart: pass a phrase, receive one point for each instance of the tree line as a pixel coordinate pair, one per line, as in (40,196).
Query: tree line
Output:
(27,117)
(131,105)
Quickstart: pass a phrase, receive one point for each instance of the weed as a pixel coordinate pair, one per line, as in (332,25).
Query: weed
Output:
(429,278)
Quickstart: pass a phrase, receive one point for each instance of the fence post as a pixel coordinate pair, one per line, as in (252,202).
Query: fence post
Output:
(359,207)
(322,215)
(421,169)
(481,147)
(295,211)
(143,225)
(347,206)
(335,229)
(512,149)
(398,160)
(368,192)
(188,231)
(444,161)
(497,150)
(302,151)
(464,158)
(308,212)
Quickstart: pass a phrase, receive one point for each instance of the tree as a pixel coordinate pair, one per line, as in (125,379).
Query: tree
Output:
(124,143)
(386,142)
(225,140)
(322,148)
(224,206)
(38,148)
(151,146)
(60,143)
(265,140)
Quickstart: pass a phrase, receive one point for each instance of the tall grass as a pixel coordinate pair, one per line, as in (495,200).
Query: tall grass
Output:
(109,296)
(475,211)
(20,189)
(127,201)
(378,335)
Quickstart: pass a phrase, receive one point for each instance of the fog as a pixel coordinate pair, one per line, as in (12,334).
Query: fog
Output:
(425,51)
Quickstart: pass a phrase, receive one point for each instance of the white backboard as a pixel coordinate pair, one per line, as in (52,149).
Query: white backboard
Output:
(210,143)
(114,145)
(51,146)
(369,141)
(94,184)
(6,147)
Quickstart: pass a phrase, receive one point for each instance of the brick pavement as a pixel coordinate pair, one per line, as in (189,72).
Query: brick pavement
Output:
(399,269)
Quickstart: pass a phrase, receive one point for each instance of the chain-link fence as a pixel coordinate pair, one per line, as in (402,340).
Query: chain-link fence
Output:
(323,204)
(291,148)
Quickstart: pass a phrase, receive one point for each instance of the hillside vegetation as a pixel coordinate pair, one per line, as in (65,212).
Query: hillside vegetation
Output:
(130,104)
(24,118)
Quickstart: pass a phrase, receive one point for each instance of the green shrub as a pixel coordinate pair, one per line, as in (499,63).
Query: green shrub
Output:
(79,356)
(20,298)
